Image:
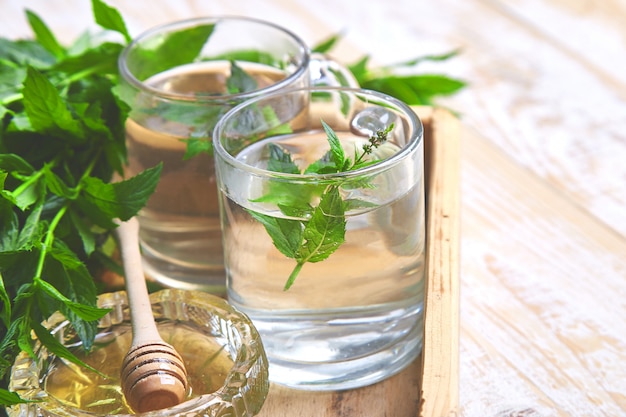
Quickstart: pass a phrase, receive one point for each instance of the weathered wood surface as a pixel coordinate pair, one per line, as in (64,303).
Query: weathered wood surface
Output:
(543,168)
(439,386)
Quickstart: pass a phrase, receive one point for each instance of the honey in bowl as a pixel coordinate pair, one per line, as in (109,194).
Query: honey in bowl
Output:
(222,351)
(206,359)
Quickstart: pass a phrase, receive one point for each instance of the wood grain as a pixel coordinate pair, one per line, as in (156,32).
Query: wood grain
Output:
(394,397)
(541,285)
(440,373)
(546,97)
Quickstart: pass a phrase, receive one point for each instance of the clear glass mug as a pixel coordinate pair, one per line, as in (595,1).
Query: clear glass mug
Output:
(179,80)
(328,263)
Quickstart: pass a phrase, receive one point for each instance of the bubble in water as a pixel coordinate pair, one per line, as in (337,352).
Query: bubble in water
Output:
(370,120)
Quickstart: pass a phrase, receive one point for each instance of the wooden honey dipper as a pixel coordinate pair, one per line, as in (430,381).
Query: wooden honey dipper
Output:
(153,374)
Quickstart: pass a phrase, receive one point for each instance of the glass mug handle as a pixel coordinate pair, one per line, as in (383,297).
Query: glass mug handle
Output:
(327,72)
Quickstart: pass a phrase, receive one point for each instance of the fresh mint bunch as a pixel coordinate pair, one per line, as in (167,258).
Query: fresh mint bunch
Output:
(402,80)
(61,142)
(323,231)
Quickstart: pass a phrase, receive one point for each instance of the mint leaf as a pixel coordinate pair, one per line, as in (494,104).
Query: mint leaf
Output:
(8,343)
(325,165)
(56,348)
(88,239)
(109,18)
(65,256)
(9,229)
(277,127)
(26,53)
(355,204)
(101,59)
(286,234)
(32,231)
(327,44)
(434,84)
(78,286)
(291,198)
(323,234)
(359,69)
(11,77)
(10,398)
(280,160)
(43,35)
(196,147)
(239,81)
(103,202)
(5,314)
(90,114)
(34,191)
(57,186)
(24,338)
(83,311)
(337,154)
(15,163)
(416,89)
(171,53)
(46,109)
(134,192)
(3,110)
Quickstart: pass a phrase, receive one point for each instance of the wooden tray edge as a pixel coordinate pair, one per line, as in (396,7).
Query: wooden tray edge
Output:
(439,385)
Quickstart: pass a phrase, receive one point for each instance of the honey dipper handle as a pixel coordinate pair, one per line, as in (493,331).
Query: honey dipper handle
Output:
(142,320)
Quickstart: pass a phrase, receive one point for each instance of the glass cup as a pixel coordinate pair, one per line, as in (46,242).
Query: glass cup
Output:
(179,79)
(222,351)
(324,247)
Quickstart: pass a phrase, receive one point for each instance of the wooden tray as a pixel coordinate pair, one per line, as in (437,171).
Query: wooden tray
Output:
(429,386)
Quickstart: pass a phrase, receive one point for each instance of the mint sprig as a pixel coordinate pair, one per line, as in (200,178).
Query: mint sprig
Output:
(323,231)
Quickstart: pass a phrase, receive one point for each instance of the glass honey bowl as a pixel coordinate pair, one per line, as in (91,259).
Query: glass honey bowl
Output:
(225,360)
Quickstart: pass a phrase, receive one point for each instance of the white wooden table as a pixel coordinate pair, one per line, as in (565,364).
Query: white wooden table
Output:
(543,270)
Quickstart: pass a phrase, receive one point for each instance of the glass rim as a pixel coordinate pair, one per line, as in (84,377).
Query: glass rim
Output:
(130,77)
(412,143)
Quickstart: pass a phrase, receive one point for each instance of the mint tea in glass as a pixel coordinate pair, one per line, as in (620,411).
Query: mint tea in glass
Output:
(322,210)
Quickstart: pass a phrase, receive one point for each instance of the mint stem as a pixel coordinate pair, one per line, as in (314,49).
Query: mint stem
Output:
(293,276)
(49,236)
